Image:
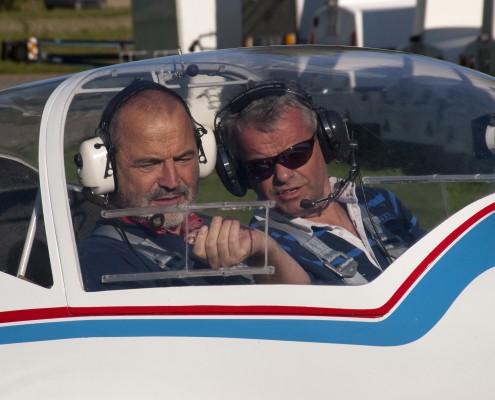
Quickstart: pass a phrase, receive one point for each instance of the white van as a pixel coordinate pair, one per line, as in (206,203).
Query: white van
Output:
(382,24)
(443,28)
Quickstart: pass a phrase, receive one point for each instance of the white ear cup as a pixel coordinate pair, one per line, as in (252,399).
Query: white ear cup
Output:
(93,170)
(210,149)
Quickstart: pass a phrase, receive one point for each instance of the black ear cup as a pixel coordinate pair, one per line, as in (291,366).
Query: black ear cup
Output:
(230,173)
(333,136)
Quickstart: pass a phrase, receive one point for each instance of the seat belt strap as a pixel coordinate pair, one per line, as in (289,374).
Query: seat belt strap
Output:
(145,246)
(346,269)
(393,244)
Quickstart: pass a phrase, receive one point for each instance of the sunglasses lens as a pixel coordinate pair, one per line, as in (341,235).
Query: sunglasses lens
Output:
(261,169)
(294,157)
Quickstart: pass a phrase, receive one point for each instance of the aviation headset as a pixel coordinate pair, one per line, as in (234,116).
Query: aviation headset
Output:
(96,158)
(332,132)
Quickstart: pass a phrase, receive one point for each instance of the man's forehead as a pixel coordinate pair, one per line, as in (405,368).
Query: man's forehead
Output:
(156,99)
(153,105)
(153,128)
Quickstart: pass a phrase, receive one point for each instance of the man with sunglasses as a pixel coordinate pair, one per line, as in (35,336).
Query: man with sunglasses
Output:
(271,131)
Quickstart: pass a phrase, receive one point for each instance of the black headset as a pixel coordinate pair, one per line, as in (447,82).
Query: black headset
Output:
(96,158)
(332,132)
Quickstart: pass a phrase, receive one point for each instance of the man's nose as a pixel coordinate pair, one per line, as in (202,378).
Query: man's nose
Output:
(168,177)
(282,174)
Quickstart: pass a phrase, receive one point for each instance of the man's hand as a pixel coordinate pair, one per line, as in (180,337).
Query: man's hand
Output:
(226,243)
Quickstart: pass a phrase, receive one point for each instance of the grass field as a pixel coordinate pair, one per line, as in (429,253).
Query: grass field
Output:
(112,23)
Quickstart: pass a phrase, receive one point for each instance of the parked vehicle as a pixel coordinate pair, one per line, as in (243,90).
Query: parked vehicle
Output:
(165,25)
(441,34)
(384,24)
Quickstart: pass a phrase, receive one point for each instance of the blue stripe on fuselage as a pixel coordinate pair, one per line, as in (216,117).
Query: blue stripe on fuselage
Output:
(423,307)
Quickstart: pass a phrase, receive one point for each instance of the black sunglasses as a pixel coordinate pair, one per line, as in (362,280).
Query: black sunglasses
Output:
(293,157)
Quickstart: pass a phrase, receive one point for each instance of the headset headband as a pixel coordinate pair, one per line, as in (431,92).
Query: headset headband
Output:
(274,89)
(125,94)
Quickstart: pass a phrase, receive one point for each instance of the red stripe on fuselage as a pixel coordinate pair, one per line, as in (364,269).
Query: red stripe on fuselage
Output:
(218,310)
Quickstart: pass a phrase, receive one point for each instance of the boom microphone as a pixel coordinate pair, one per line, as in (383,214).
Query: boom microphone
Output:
(307,203)
(336,192)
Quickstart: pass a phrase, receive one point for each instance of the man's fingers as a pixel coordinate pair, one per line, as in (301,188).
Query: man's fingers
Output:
(223,244)
(198,239)
(191,237)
